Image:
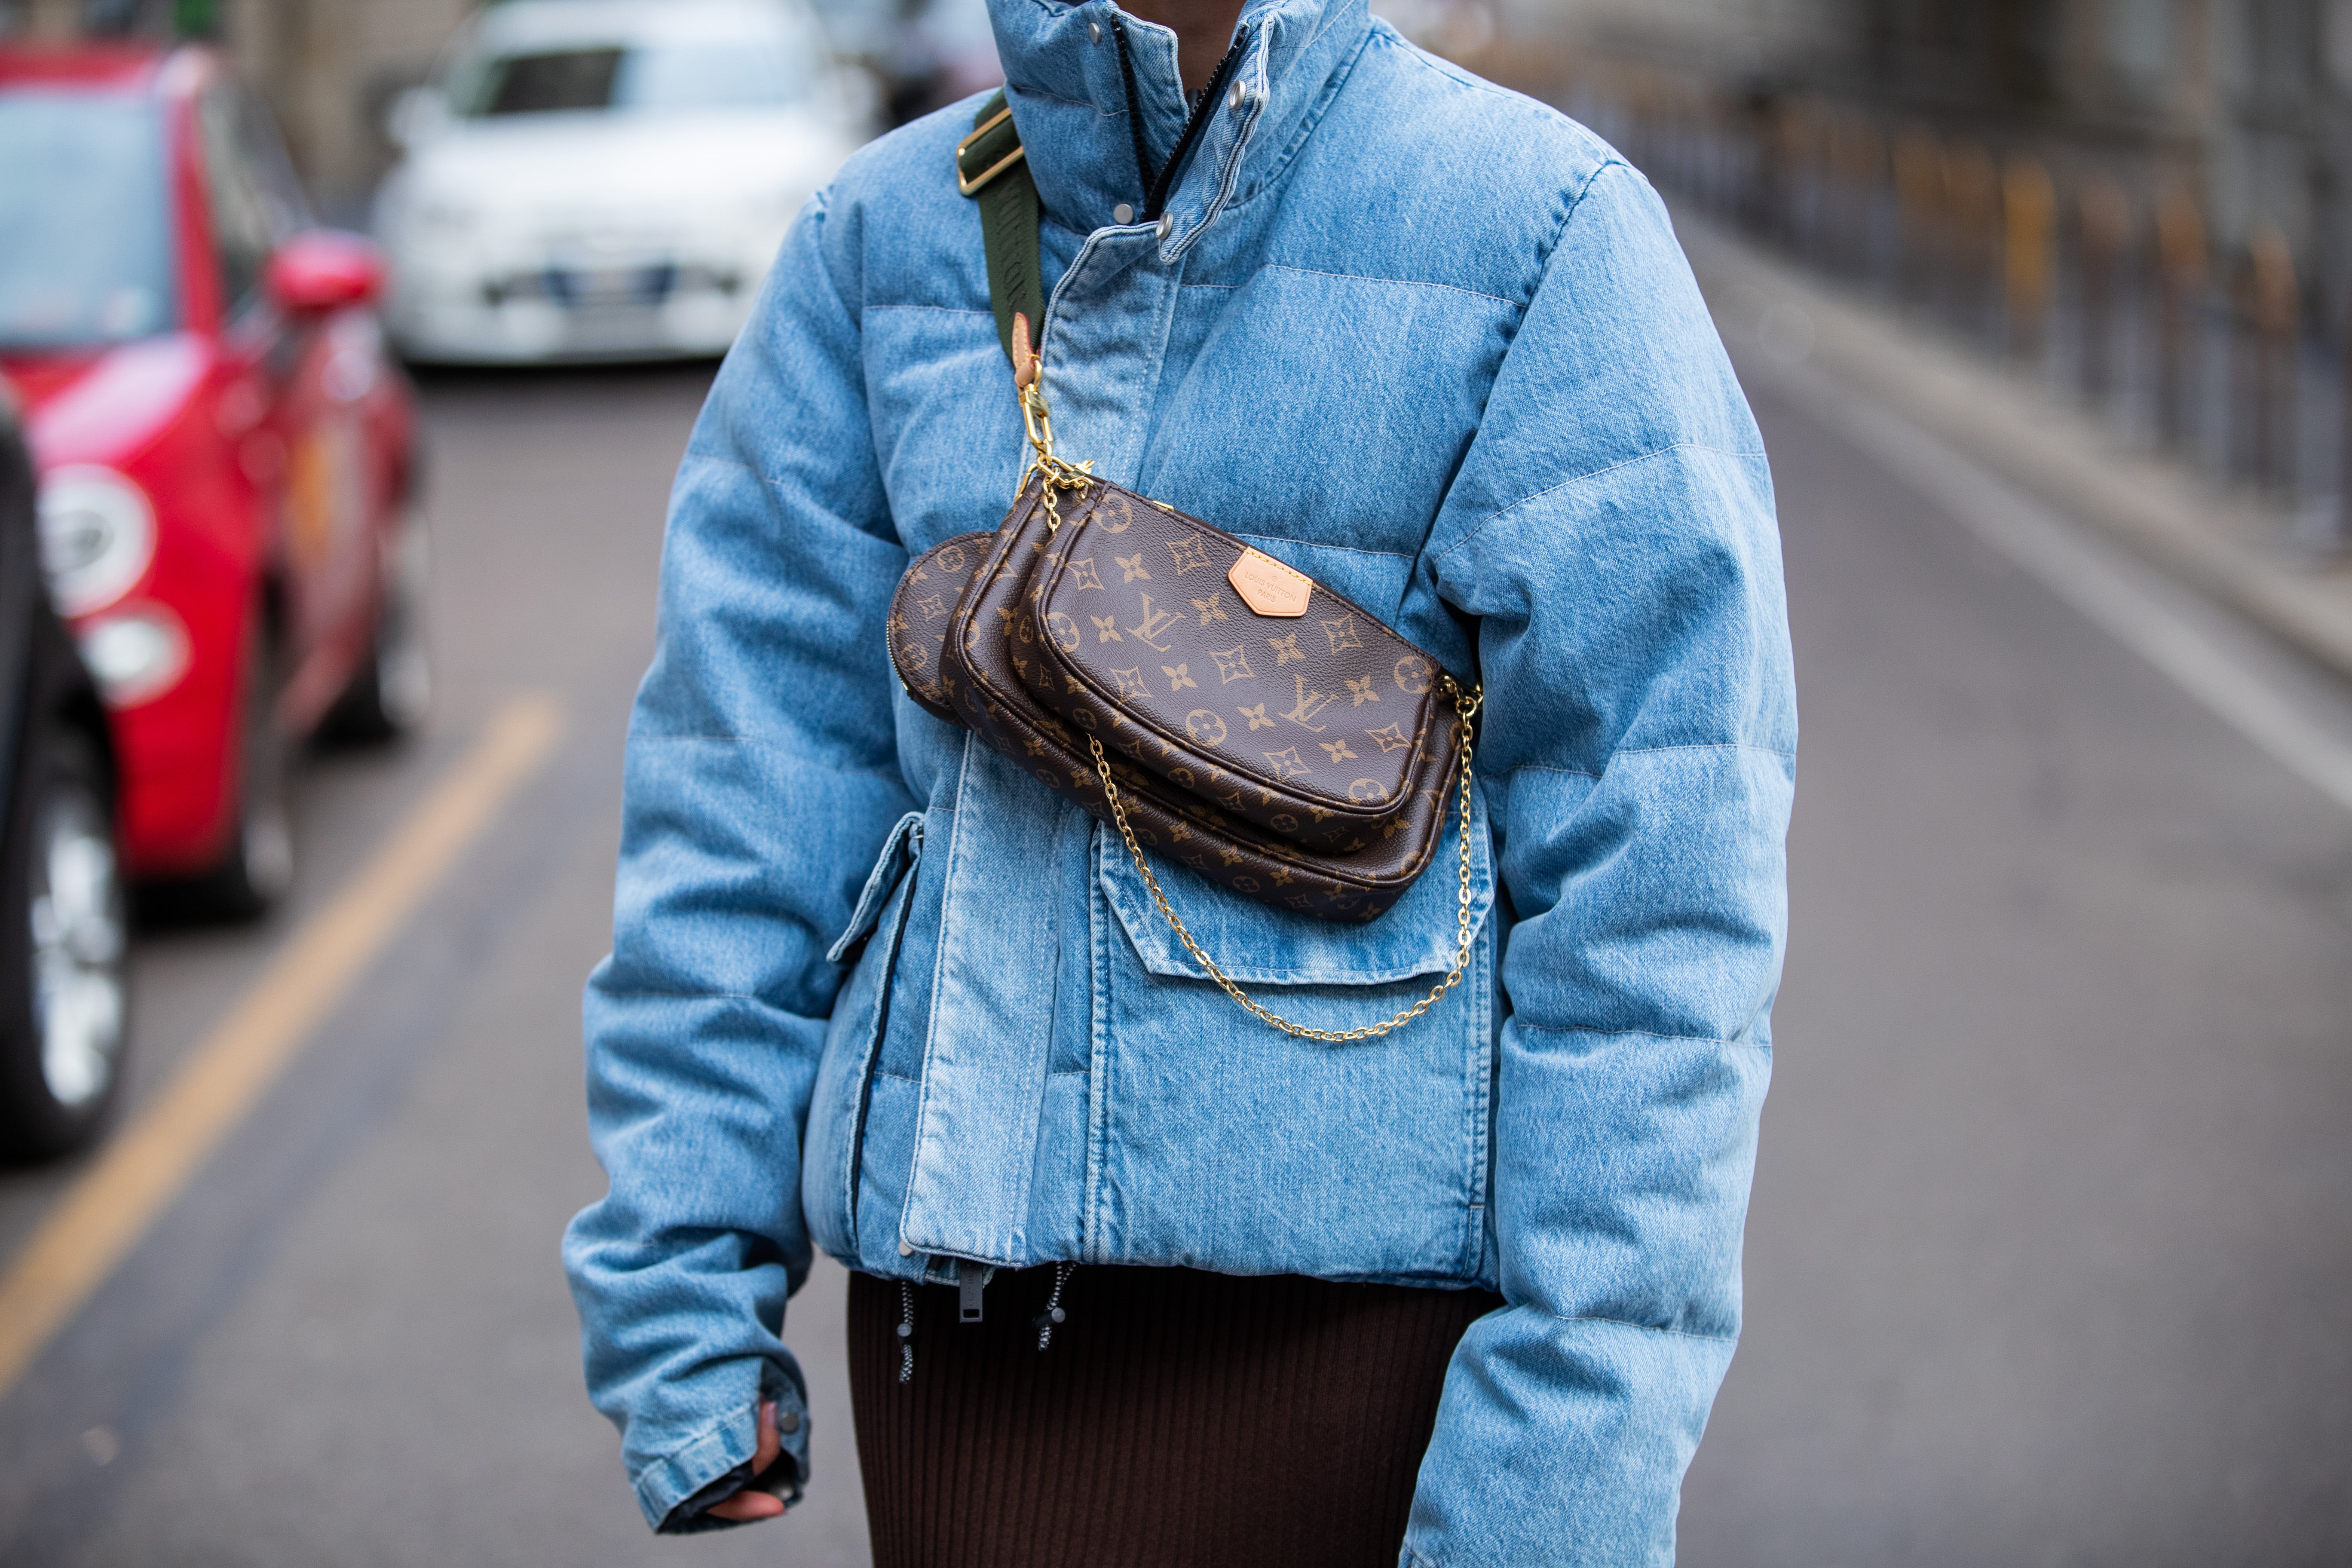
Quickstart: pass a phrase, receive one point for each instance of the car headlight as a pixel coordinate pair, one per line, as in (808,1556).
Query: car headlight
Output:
(139,654)
(98,534)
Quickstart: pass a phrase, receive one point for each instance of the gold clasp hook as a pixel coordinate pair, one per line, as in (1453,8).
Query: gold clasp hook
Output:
(1465,703)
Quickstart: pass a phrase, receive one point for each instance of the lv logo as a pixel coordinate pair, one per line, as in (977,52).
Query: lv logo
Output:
(1154,626)
(1309,704)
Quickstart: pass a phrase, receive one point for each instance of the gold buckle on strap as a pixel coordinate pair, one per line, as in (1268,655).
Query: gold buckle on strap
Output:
(970,187)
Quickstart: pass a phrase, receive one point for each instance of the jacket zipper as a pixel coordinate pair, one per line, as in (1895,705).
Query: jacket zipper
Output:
(1158,188)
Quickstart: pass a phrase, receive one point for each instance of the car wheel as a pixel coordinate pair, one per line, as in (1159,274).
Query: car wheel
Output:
(393,692)
(64,928)
(258,868)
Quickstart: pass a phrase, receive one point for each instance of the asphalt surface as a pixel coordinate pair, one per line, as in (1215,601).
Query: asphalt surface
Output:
(349,1341)
(2053,1230)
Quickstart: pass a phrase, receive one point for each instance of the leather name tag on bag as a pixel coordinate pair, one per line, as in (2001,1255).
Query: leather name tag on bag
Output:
(1269,587)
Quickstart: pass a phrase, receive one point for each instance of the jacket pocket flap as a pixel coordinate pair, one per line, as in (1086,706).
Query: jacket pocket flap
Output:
(899,851)
(1256,943)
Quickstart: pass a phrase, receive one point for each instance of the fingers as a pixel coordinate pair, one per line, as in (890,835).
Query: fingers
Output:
(764,1451)
(747,1505)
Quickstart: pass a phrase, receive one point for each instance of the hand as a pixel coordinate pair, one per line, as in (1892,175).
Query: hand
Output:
(748,1505)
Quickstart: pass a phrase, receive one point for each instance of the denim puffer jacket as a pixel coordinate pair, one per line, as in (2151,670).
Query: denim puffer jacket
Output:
(875,990)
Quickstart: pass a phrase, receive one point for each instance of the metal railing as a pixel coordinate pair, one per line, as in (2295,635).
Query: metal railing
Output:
(2206,352)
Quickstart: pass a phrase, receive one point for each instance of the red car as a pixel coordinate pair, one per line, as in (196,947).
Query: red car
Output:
(226,450)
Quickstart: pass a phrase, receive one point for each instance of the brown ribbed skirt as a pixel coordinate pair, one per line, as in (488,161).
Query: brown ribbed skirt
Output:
(1178,1419)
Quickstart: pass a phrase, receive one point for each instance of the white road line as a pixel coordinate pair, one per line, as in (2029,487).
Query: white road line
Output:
(2058,555)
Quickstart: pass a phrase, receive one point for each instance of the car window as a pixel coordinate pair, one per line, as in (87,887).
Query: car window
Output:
(550,83)
(657,78)
(84,220)
(272,170)
(255,201)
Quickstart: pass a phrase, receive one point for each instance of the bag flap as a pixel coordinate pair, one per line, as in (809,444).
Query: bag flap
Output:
(1326,708)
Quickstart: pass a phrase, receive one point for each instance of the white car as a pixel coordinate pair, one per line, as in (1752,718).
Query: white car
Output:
(608,179)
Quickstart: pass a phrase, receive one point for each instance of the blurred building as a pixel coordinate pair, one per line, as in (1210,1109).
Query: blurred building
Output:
(327,67)
(2246,104)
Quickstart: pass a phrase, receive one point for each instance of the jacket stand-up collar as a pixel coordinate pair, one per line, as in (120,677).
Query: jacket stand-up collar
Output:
(1069,98)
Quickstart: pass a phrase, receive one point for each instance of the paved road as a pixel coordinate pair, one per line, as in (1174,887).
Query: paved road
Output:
(350,1342)
(2049,1254)
(2052,1233)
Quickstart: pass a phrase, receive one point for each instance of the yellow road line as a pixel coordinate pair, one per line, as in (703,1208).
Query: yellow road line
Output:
(103,1214)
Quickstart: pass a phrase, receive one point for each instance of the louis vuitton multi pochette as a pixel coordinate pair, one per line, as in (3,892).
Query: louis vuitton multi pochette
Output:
(1208,700)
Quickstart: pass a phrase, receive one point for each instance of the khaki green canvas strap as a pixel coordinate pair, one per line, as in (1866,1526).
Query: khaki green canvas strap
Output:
(992,169)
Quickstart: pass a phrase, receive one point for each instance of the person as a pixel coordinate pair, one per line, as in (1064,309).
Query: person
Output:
(1460,1293)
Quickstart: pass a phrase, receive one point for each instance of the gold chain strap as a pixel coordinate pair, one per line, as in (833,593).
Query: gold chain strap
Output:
(1465,707)
(1037,421)
(1060,474)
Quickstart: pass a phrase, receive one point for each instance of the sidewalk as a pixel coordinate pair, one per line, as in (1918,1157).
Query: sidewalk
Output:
(2225,547)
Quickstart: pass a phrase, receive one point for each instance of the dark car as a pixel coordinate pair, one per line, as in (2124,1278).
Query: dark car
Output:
(63,925)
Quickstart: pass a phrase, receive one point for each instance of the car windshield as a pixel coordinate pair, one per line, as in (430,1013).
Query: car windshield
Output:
(751,74)
(85,228)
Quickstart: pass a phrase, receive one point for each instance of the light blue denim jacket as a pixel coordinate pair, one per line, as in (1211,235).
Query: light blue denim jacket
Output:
(875,990)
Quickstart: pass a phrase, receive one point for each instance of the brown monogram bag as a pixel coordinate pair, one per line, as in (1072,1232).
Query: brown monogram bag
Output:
(1199,696)
(1207,702)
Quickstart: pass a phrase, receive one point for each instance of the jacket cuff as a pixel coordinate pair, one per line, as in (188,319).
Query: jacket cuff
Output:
(678,1491)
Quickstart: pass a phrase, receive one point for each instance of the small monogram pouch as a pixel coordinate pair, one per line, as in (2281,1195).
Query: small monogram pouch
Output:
(1235,676)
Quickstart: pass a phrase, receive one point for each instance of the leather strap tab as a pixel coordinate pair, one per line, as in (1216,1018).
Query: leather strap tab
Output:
(1025,357)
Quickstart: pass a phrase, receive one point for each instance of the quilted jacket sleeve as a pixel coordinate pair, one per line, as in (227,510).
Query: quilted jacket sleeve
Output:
(761,780)
(1614,530)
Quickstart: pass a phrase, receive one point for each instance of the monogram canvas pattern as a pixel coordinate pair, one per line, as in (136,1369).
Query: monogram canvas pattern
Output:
(966,639)
(920,613)
(1313,727)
